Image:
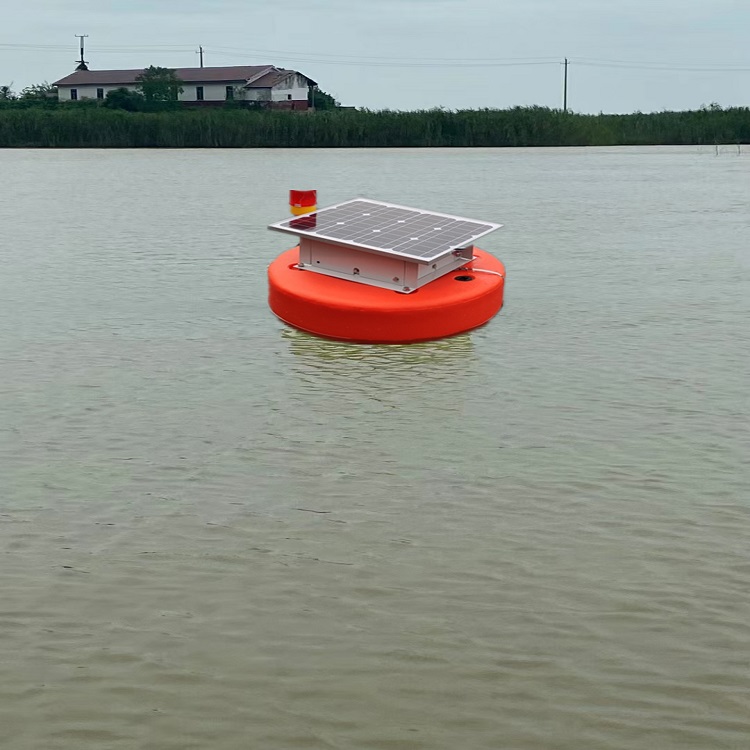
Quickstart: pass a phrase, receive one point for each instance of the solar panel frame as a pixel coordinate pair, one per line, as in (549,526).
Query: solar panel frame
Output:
(361,218)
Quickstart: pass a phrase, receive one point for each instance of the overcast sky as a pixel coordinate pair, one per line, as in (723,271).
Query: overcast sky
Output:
(625,55)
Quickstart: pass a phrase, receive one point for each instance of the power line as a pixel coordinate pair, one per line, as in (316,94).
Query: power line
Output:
(35,46)
(391,61)
(389,64)
(307,55)
(66,47)
(677,68)
(387,58)
(658,63)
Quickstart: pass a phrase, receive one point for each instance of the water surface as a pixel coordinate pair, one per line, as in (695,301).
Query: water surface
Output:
(219,533)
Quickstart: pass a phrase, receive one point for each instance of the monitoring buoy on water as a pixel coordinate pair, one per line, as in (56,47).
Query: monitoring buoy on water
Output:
(373,272)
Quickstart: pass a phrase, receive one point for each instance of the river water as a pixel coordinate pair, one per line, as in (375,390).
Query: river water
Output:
(219,533)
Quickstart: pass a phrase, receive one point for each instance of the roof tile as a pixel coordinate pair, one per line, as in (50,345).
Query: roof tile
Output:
(265,75)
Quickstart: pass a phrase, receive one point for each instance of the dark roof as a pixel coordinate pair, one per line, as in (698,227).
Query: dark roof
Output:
(232,73)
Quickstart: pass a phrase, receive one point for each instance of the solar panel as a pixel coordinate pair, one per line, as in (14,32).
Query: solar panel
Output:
(388,229)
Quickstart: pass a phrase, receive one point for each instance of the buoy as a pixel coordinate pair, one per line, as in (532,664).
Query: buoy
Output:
(373,272)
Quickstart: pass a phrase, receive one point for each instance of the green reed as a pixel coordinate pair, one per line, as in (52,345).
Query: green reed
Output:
(80,125)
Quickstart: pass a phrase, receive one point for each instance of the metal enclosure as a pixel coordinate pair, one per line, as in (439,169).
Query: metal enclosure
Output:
(383,244)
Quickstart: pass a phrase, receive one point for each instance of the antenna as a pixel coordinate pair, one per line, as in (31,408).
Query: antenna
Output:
(82,64)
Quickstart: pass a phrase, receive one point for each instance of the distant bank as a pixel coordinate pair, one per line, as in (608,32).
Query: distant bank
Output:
(98,127)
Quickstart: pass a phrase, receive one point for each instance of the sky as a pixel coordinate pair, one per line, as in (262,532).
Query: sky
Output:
(624,55)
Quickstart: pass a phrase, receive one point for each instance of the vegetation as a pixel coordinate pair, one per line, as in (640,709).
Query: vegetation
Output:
(159,85)
(130,101)
(40,92)
(121,122)
(320,100)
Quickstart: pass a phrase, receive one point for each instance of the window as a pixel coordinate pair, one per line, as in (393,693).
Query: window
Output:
(230,92)
(199,93)
(100,93)
(74,94)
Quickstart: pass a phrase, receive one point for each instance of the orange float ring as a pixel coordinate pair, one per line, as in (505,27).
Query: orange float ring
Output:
(349,311)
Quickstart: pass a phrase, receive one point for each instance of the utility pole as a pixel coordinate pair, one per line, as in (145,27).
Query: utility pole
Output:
(565,88)
(201,54)
(82,64)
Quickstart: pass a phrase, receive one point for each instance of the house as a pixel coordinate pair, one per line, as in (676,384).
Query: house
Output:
(274,87)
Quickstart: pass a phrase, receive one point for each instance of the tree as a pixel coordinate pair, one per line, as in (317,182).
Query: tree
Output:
(39,92)
(131,101)
(321,100)
(6,93)
(159,85)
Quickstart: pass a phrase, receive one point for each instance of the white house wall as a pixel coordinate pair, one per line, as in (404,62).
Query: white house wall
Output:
(84,92)
(295,85)
(212,92)
(255,95)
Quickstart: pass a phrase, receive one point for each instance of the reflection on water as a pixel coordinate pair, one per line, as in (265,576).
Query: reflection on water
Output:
(445,355)
(422,388)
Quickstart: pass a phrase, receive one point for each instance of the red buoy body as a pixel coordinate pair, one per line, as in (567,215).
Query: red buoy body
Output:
(348,311)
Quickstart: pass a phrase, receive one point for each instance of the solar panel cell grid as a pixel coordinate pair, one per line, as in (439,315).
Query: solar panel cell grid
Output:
(388,229)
